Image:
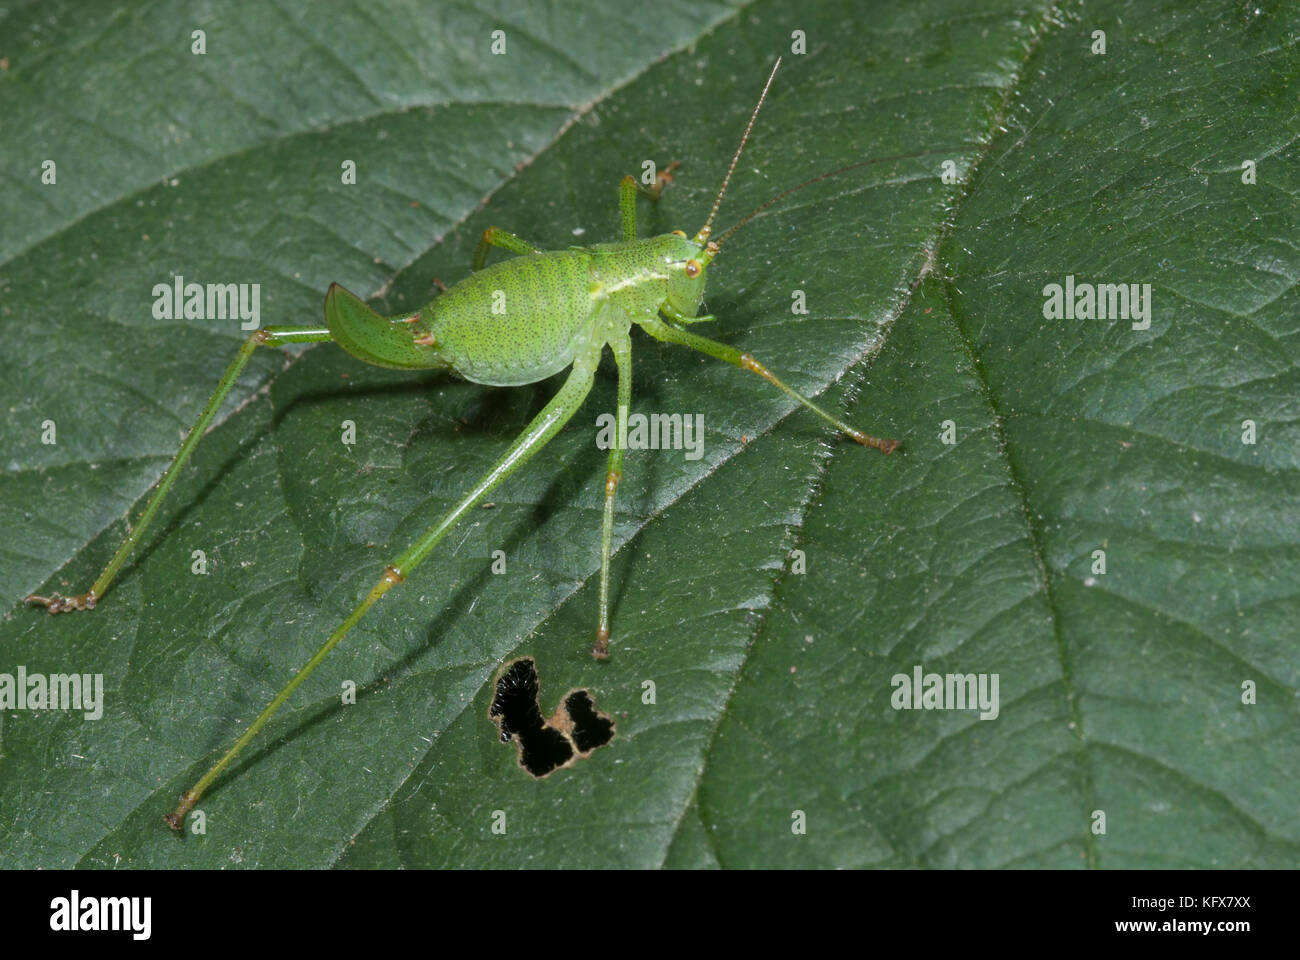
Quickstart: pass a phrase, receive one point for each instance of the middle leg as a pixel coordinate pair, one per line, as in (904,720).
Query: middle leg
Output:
(628,188)
(622,348)
(538,433)
(496,237)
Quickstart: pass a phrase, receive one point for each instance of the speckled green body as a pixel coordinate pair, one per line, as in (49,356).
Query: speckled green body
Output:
(523,319)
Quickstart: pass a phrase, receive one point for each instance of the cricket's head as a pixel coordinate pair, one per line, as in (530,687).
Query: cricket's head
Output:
(687,261)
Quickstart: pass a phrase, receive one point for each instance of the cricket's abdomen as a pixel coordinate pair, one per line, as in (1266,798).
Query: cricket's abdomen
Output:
(517,321)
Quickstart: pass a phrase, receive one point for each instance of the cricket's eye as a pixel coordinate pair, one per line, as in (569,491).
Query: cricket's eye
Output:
(692,268)
(678,233)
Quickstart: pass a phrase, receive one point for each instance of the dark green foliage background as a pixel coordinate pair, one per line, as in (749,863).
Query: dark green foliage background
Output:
(773,690)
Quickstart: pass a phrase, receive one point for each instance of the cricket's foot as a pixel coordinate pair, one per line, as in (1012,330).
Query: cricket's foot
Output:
(885,446)
(888,446)
(57,603)
(176,819)
(601,650)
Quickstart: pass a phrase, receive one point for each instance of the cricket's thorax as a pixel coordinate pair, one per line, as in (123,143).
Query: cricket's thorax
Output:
(639,275)
(628,275)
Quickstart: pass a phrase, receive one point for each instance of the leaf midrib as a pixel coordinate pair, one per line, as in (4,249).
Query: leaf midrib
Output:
(941,238)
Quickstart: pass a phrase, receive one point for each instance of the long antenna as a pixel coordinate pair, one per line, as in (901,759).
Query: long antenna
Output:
(825,176)
(708,224)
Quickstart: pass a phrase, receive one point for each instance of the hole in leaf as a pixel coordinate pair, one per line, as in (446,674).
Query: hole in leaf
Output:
(546,743)
(591,728)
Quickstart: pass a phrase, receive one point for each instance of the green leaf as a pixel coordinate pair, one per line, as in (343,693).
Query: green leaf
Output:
(1120,693)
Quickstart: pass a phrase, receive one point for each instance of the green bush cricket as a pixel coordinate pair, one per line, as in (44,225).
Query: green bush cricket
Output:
(513,323)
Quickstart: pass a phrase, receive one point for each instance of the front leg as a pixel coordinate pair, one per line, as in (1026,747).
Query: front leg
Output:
(678,318)
(670,333)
